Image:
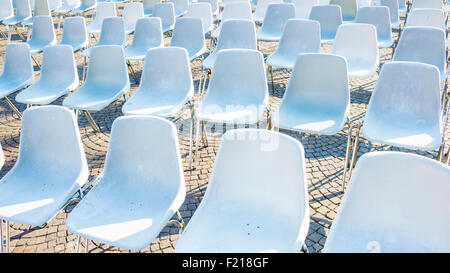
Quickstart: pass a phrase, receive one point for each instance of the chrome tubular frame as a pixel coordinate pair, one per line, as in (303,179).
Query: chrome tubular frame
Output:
(12,106)
(91,121)
(133,74)
(179,222)
(34,60)
(347,152)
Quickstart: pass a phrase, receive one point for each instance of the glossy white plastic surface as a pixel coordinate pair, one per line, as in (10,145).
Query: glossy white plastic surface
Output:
(299,36)
(234,10)
(261,8)
(149,5)
(402,6)
(395,202)
(349,9)
(75,33)
(113,33)
(180,6)
(6,9)
(50,168)
(42,35)
(41,7)
(188,34)
(303,7)
(58,76)
(142,185)
(330,18)
(204,12)
(256,200)
(317,98)
(379,17)
(274,21)
(166,12)
(426,18)
(17,69)
(85,6)
(166,84)
(106,81)
(358,44)
(67,6)
(430,4)
(131,13)
(102,11)
(23,12)
(214,6)
(393,10)
(237,92)
(235,33)
(405,108)
(148,34)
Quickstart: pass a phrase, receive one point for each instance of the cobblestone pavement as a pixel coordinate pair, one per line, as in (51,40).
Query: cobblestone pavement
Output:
(324,160)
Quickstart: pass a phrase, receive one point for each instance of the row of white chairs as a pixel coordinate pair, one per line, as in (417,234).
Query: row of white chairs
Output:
(258,185)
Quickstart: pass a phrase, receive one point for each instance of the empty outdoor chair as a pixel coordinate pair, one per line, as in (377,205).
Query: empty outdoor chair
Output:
(50,170)
(234,10)
(425,45)
(379,17)
(393,10)
(42,35)
(58,77)
(106,81)
(317,98)
(405,109)
(261,8)
(86,5)
(237,92)
(6,12)
(103,10)
(148,34)
(214,6)
(188,34)
(274,21)
(75,33)
(395,202)
(204,12)
(349,9)
(358,44)
(330,18)
(166,12)
(23,13)
(113,33)
(148,6)
(141,188)
(66,7)
(426,18)
(54,4)
(17,72)
(131,13)
(180,7)
(299,36)
(254,202)
(303,7)
(429,4)
(41,7)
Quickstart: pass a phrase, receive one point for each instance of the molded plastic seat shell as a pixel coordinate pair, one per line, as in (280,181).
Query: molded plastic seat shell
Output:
(430,4)
(214,6)
(67,6)
(261,8)
(180,6)
(6,9)
(379,17)
(330,18)
(85,6)
(102,11)
(42,35)
(149,5)
(148,34)
(303,7)
(393,10)
(166,12)
(349,9)
(23,13)
(204,12)
(131,13)
(426,18)
(274,21)
(41,7)
(75,33)
(188,34)
(234,10)
(113,33)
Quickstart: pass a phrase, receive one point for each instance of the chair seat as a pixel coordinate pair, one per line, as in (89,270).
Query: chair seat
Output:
(244,113)
(6,17)
(148,12)
(77,45)
(87,51)
(132,221)
(38,46)
(136,53)
(94,27)
(268,36)
(361,71)
(385,43)
(129,29)
(15,20)
(45,93)
(84,8)
(194,53)
(167,27)
(179,13)
(94,98)
(209,61)
(9,86)
(281,60)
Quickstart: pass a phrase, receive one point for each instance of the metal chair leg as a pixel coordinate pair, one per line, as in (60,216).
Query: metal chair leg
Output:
(7,236)
(77,245)
(86,245)
(1,236)
(91,121)
(204,134)
(196,142)
(179,222)
(355,151)
(12,106)
(191,134)
(130,67)
(347,153)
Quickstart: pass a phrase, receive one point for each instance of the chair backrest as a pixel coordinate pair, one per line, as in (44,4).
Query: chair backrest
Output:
(202,11)
(148,32)
(395,202)
(155,164)
(103,10)
(6,8)
(54,4)
(430,4)
(349,8)
(407,94)
(426,18)
(393,9)
(113,31)
(237,10)
(213,3)
(262,5)
(303,7)
(148,5)
(17,64)
(358,44)
(237,33)
(23,8)
(180,5)
(329,17)
(107,65)
(132,12)
(300,36)
(49,138)
(74,31)
(188,33)
(276,17)
(88,3)
(320,80)
(43,29)
(166,12)
(422,44)
(41,7)
(167,72)
(58,64)
(379,17)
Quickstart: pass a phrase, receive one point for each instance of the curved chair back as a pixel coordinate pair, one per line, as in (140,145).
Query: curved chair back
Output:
(113,32)
(166,12)
(237,33)
(17,65)
(202,11)
(426,18)
(148,33)
(131,13)
(275,19)
(380,18)
(148,6)
(6,9)
(330,18)
(214,5)
(102,11)
(180,6)
(75,32)
(41,7)
(349,8)
(300,36)
(261,8)
(43,30)
(429,4)
(303,7)
(393,10)
(58,65)
(188,33)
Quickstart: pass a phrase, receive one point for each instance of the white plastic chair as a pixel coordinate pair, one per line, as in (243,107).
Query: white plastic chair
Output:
(41,7)
(85,5)
(425,45)
(204,12)
(214,6)
(113,33)
(393,10)
(426,18)
(148,6)
(234,10)
(349,8)
(75,33)
(330,18)
(58,77)
(276,17)
(23,13)
(107,80)
(42,35)
(131,13)
(261,8)
(17,72)
(180,6)
(148,34)
(358,44)
(66,7)
(6,9)
(50,170)
(188,34)
(54,4)
(395,202)
(140,190)
(166,12)
(102,11)
(430,4)
(379,17)
(303,7)
(254,202)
